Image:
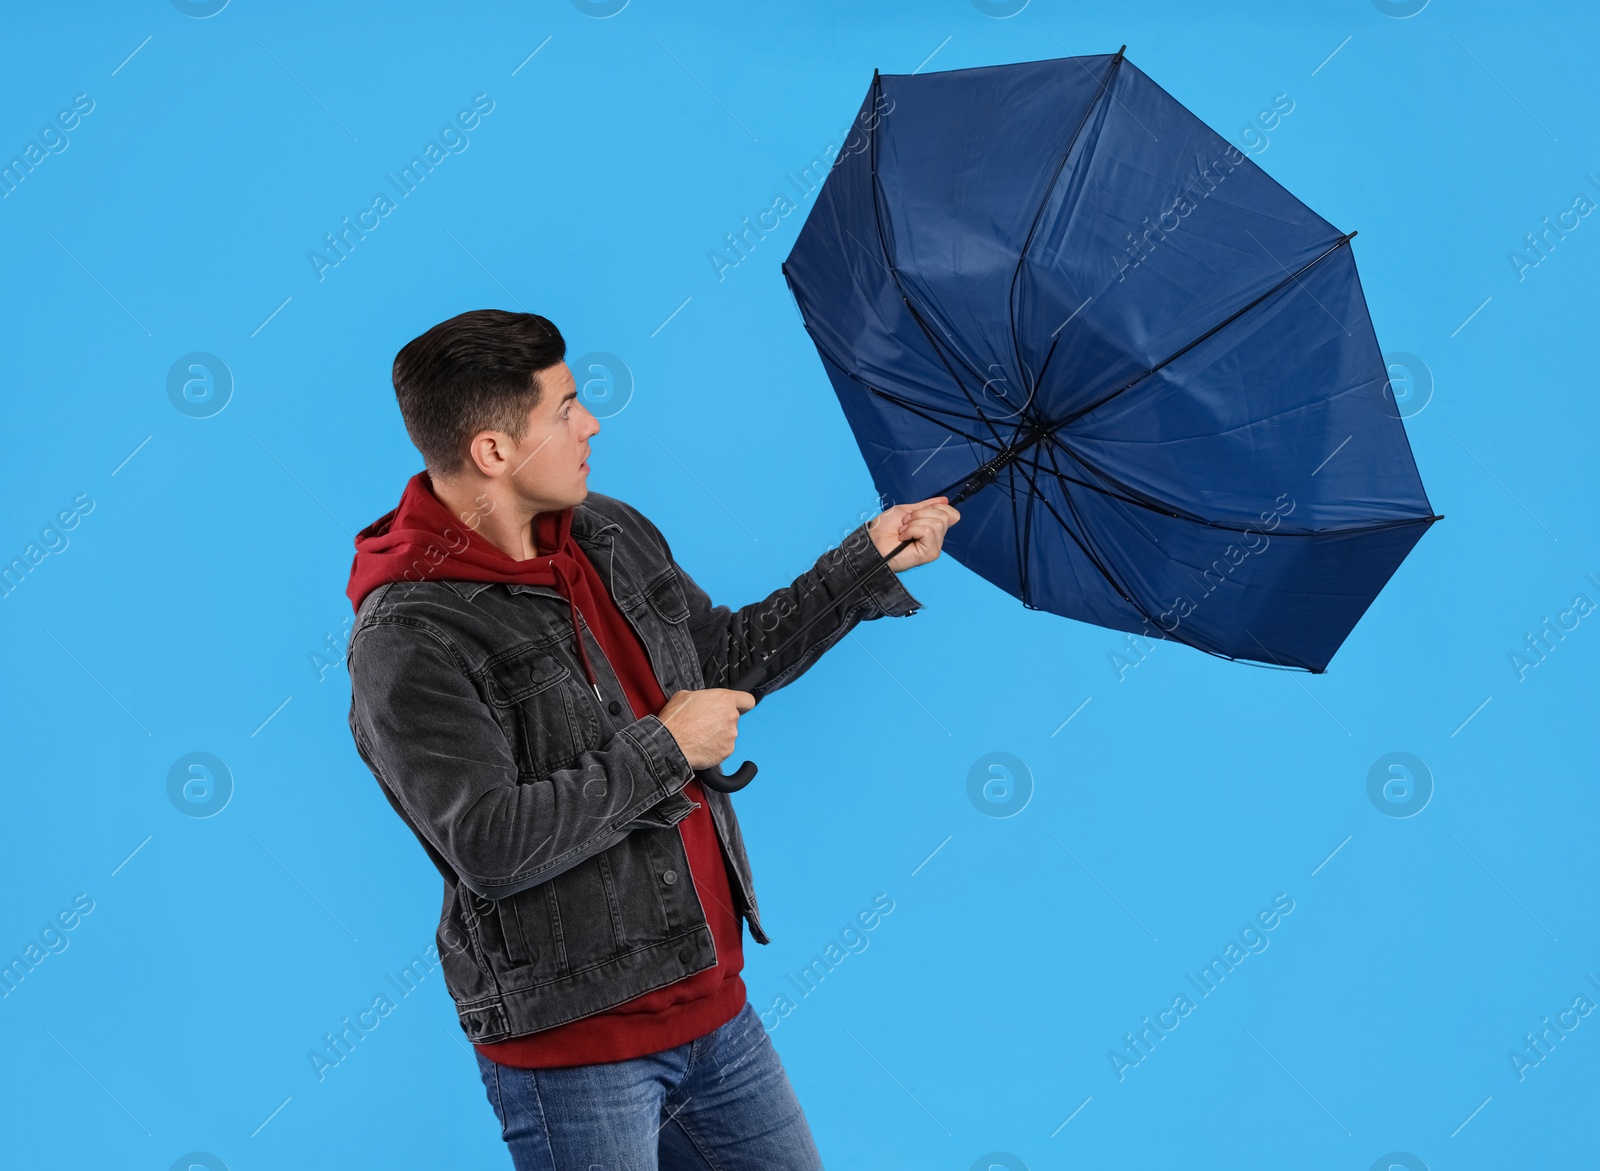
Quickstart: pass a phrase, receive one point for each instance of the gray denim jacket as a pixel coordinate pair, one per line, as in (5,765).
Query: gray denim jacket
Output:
(549,812)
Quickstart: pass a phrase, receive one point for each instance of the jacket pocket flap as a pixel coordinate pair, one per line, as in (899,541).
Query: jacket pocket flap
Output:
(665,596)
(525,672)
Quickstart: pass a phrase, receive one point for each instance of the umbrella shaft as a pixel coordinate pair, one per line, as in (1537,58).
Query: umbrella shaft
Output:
(990,469)
(756,673)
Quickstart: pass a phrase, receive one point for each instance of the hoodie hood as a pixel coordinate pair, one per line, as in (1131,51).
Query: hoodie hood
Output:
(419,540)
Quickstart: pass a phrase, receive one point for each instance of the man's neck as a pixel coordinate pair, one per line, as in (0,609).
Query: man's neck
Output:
(500,518)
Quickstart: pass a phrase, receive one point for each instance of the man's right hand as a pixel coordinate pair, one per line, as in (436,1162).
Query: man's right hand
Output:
(706,723)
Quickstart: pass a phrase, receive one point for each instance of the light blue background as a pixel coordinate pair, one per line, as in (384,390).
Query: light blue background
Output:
(183,613)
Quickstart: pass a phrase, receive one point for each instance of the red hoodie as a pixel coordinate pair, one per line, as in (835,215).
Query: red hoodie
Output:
(420,540)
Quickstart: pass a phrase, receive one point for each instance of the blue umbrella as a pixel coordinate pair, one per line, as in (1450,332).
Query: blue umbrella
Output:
(1143,369)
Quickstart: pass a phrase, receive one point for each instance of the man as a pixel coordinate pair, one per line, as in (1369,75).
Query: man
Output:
(534,682)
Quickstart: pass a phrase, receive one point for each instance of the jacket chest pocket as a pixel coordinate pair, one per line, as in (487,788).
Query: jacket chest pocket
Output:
(667,610)
(666,598)
(533,695)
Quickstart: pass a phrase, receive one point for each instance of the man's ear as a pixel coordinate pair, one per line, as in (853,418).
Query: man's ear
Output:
(487,451)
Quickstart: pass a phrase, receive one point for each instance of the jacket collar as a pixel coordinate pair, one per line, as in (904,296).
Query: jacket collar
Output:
(588,522)
(592,529)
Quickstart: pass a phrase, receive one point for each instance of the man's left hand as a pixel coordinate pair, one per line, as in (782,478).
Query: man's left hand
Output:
(923,523)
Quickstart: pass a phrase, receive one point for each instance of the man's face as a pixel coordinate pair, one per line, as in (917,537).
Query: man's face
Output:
(550,466)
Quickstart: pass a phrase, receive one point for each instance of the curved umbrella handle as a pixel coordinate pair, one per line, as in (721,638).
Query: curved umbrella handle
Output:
(715,778)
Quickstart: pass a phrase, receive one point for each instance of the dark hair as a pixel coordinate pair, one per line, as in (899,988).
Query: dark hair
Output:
(475,372)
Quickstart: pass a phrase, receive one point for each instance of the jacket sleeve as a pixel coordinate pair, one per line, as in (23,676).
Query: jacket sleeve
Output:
(729,642)
(445,763)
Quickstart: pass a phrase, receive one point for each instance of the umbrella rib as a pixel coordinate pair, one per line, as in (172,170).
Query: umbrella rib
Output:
(1273,666)
(1022,256)
(1142,499)
(893,274)
(1067,498)
(883,245)
(840,366)
(919,411)
(904,404)
(1097,563)
(1100,402)
(896,399)
(1051,352)
(915,407)
(1027,535)
(939,353)
(1168,510)
(828,357)
(1087,552)
(1024,545)
(1049,450)
(936,422)
(1056,471)
(1173,633)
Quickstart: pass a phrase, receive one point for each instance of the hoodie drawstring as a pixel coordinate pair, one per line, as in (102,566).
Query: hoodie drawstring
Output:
(577,634)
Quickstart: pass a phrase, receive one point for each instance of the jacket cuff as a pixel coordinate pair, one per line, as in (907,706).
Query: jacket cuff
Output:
(660,747)
(889,598)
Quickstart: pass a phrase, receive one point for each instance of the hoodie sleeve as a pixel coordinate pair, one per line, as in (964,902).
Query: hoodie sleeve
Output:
(446,767)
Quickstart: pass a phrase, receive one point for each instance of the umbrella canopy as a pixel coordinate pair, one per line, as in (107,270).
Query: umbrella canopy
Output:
(1144,369)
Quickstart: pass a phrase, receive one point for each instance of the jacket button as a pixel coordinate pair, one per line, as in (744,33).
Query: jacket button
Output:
(669,876)
(613,707)
(686,955)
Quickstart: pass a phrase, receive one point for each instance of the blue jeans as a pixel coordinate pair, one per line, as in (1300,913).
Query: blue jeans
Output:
(719,1103)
